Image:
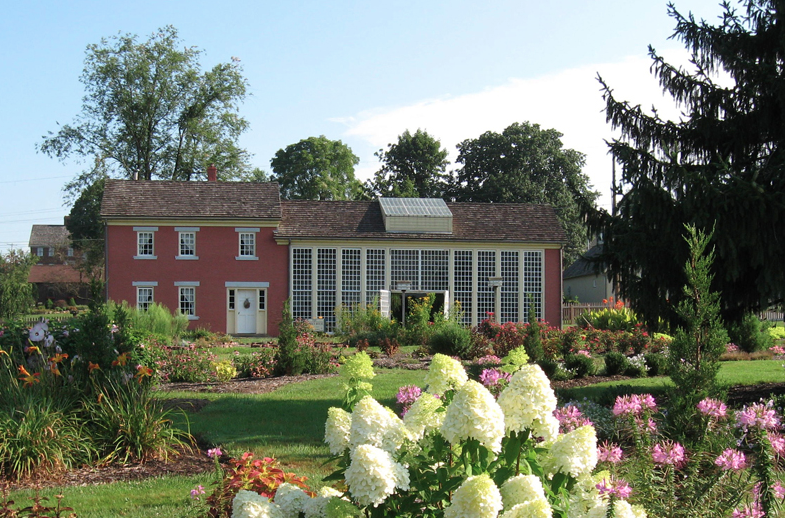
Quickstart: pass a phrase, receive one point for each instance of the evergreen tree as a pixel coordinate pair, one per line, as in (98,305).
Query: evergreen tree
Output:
(721,165)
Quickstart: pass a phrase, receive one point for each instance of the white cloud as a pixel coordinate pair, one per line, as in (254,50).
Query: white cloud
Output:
(569,101)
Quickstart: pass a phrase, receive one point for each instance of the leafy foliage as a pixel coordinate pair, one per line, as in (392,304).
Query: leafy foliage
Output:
(16,294)
(720,165)
(316,168)
(527,164)
(750,334)
(149,112)
(413,167)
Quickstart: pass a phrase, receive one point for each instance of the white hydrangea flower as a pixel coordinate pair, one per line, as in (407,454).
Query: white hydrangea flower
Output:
(316,507)
(247,504)
(623,509)
(377,425)
(546,427)
(528,400)
(477,497)
(373,475)
(336,430)
(574,453)
(444,374)
(521,489)
(584,498)
(291,499)
(475,414)
(422,416)
(530,509)
(357,367)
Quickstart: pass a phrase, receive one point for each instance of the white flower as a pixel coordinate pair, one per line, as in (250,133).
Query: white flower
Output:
(474,413)
(336,430)
(358,367)
(247,504)
(377,425)
(316,507)
(623,509)
(444,374)
(530,509)
(573,453)
(522,489)
(528,401)
(373,475)
(49,340)
(584,500)
(291,499)
(38,331)
(477,497)
(422,416)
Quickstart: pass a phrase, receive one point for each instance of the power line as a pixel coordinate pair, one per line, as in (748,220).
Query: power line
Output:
(34,179)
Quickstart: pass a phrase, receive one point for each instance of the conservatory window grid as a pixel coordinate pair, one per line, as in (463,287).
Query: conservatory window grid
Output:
(350,277)
(326,284)
(532,280)
(509,290)
(301,282)
(463,271)
(435,270)
(375,265)
(405,266)
(486,267)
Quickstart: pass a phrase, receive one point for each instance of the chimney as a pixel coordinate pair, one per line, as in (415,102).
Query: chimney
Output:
(212,173)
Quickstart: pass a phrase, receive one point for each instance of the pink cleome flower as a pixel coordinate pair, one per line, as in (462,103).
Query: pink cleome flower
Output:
(214,453)
(634,404)
(570,418)
(713,408)
(758,415)
(731,459)
(668,453)
(609,452)
(614,486)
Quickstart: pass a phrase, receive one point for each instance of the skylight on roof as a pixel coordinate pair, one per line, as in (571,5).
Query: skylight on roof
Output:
(417,207)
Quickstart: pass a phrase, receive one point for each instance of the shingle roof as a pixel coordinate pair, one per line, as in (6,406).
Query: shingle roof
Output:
(585,265)
(54,273)
(164,199)
(49,235)
(471,222)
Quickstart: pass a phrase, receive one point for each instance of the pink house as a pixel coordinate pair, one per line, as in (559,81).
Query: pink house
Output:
(228,254)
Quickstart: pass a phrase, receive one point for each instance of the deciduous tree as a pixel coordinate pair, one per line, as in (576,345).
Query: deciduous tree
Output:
(16,294)
(316,168)
(527,164)
(720,166)
(149,112)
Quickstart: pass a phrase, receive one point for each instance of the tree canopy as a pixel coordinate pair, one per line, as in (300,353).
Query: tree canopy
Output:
(316,168)
(527,164)
(149,112)
(413,167)
(16,294)
(720,166)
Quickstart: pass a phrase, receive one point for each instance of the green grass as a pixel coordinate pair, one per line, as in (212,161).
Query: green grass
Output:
(289,424)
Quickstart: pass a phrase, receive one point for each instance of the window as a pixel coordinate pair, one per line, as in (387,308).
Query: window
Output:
(50,251)
(231,299)
(144,244)
(40,251)
(374,274)
(350,277)
(509,311)
(247,243)
(486,267)
(144,297)
(70,251)
(262,300)
(325,286)
(187,244)
(188,301)
(463,277)
(301,282)
(532,280)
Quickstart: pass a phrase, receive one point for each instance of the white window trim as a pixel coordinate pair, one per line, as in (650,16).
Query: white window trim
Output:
(232,284)
(180,231)
(248,230)
(144,287)
(187,284)
(151,230)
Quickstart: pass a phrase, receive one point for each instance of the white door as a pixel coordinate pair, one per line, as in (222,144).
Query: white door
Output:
(246,311)
(384,303)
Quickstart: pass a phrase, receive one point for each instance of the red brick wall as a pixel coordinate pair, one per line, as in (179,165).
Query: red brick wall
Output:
(216,248)
(553,287)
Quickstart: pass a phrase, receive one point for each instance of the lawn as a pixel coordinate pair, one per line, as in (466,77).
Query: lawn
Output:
(289,425)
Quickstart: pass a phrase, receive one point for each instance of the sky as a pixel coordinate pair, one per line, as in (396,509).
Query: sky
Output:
(357,71)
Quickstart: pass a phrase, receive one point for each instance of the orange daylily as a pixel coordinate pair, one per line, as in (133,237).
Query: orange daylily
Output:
(142,371)
(92,366)
(54,370)
(28,378)
(3,352)
(33,349)
(59,357)
(121,360)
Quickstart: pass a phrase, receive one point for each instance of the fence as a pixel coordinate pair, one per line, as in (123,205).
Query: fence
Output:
(571,311)
(59,317)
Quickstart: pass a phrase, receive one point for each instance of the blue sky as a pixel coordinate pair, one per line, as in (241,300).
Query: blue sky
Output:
(361,72)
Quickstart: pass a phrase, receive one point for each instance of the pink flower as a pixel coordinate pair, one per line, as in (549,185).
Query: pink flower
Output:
(614,486)
(196,492)
(214,453)
(749,511)
(731,459)
(668,453)
(777,442)
(570,418)
(758,415)
(713,408)
(634,404)
(408,394)
(609,452)
(493,360)
(779,491)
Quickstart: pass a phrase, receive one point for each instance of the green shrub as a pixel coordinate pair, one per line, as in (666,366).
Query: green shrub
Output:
(419,323)
(452,339)
(777,333)
(580,365)
(614,318)
(186,364)
(637,366)
(224,370)
(553,369)
(533,340)
(656,364)
(616,363)
(750,334)
(509,336)
(258,364)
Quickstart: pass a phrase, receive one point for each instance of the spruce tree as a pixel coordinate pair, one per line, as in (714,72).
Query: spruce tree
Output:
(720,165)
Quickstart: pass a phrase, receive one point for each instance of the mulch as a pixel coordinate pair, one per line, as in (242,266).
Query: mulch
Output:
(194,460)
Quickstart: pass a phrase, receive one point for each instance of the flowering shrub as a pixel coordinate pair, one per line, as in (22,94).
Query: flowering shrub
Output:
(224,370)
(186,364)
(258,364)
(614,317)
